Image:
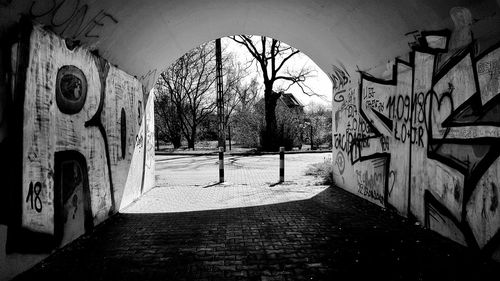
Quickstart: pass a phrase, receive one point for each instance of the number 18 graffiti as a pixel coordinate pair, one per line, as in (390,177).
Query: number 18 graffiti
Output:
(36,202)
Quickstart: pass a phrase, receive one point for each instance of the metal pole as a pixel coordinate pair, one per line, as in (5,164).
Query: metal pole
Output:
(282,164)
(220,93)
(221,164)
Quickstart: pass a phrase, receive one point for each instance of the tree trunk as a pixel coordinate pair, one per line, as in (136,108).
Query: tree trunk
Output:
(192,139)
(157,139)
(312,143)
(190,144)
(229,131)
(270,139)
(176,141)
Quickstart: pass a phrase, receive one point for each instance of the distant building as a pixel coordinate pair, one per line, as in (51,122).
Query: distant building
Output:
(291,102)
(286,100)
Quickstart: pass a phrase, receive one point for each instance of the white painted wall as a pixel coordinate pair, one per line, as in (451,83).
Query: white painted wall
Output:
(47,131)
(424,141)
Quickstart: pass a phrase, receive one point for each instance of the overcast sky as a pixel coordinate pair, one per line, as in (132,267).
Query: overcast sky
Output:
(320,84)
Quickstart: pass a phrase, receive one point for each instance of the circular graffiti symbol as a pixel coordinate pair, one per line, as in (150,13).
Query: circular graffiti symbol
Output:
(340,161)
(71,89)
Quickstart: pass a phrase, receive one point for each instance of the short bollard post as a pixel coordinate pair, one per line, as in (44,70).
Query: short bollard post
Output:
(221,164)
(282,164)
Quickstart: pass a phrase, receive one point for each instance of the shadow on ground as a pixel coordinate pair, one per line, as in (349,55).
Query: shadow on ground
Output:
(333,236)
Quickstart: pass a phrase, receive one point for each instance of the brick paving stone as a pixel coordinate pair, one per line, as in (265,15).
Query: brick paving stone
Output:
(331,236)
(189,183)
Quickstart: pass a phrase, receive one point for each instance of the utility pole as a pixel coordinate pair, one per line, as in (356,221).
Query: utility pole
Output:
(220,94)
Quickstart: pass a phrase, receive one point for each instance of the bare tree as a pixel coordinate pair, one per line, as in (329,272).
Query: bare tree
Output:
(189,82)
(318,125)
(271,57)
(239,99)
(233,75)
(168,126)
(247,95)
(246,121)
(236,93)
(186,93)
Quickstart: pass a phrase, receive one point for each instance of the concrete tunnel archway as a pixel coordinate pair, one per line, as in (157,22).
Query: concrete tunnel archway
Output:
(143,36)
(140,38)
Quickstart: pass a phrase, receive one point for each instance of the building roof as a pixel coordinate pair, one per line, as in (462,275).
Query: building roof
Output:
(290,100)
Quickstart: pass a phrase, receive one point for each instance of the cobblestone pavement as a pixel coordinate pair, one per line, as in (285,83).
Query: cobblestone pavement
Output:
(249,170)
(186,183)
(331,236)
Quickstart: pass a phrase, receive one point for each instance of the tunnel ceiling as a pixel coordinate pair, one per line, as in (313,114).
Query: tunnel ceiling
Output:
(144,36)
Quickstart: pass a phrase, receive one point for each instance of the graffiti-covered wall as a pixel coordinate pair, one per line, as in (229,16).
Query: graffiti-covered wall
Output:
(425,141)
(85,123)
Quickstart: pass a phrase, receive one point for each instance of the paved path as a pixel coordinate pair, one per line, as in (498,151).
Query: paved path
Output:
(248,170)
(334,235)
(187,183)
